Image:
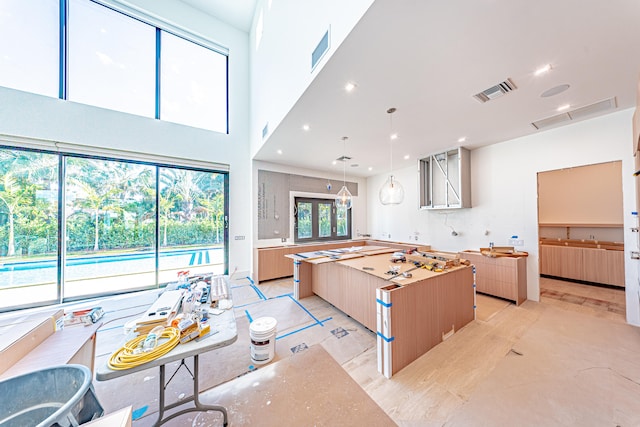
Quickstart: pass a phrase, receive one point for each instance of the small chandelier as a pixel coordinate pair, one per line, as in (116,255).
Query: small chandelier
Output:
(344,198)
(391,192)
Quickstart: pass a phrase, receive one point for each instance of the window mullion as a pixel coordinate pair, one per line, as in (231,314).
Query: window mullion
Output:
(62,82)
(158,70)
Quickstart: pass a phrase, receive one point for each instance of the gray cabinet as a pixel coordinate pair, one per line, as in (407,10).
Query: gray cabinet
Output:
(445,180)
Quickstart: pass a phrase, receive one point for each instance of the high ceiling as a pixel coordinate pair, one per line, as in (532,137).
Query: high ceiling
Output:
(237,13)
(428,58)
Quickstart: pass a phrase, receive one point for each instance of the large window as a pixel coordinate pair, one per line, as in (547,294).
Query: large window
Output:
(111,59)
(126,226)
(92,54)
(28,228)
(319,219)
(192,221)
(193,85)
(29,43)
(110,226)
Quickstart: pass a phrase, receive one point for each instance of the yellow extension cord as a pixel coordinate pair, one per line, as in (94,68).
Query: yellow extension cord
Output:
(126,357)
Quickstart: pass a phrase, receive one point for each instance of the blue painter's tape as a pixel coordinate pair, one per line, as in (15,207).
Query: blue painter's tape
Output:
(385,338)
(475,306)
(384,304)
(284,295)
(108,329)
(302,329)
(474,269)
(248,316)
(138,413)
(250,280)
(259,292)
(474,285)
(305,309)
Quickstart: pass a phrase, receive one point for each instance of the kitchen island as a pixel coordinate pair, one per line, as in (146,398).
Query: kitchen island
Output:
(410,315)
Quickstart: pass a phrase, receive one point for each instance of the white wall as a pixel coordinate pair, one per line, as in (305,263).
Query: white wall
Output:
(504,194)
(25,114)
(281,64)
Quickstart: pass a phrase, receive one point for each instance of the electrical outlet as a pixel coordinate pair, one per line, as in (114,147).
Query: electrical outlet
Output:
(635,255)
(239,237)
(516,242)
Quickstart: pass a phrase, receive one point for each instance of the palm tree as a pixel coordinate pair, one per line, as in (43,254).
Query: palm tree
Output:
(13,196)
(213,205)
(97,199)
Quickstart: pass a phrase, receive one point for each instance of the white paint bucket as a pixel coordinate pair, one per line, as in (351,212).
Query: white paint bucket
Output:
(262,333)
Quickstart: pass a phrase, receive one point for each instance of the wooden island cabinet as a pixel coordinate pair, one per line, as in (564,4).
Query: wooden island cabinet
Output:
(271,262)
(504,277)
(410,315)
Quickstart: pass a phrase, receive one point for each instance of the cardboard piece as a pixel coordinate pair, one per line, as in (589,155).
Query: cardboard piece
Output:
(25,336)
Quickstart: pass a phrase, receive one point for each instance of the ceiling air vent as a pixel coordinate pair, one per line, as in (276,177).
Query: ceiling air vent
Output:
(495,91)
(590,110)
(593,109)
(343,158)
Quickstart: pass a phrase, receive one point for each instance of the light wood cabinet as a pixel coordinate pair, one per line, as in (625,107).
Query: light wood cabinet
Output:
(504,277)
(596,265)
(562,262)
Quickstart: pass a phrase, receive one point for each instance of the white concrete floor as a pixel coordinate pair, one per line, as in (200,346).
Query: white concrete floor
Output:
(569,360)
(554,363)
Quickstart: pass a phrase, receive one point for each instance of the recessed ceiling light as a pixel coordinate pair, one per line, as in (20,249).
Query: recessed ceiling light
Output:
(350,86)
(394,136)
(334,163)
(554,90)
(563,107)
(462,139)
(305,127)
(407,157)
(544,69)
(370,168)
(279,151)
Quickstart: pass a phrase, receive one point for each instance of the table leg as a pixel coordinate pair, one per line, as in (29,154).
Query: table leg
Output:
(198,406)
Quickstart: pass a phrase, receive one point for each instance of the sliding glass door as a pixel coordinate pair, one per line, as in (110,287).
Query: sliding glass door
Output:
(28,228)
(110,227)
(125,226)
(192,222)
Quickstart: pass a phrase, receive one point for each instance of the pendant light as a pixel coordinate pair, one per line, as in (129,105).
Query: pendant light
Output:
(391,192)
(344,198)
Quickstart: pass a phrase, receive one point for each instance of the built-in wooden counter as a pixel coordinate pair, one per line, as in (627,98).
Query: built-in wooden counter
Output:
(589,261)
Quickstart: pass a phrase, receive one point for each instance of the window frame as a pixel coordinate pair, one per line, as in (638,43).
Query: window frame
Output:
(315,227)
(160,24)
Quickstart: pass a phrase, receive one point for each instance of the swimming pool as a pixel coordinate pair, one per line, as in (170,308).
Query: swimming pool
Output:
(20,273)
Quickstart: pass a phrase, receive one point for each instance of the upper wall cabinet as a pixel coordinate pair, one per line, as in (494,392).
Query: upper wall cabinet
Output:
(445,180)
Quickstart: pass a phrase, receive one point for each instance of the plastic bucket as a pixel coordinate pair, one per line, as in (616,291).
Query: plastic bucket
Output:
(57,396)
(262,333)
